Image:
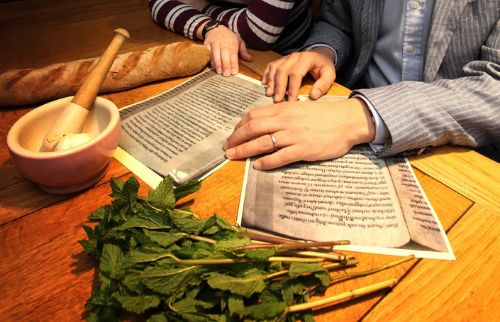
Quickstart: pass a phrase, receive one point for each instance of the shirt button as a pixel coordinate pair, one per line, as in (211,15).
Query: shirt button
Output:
(411,49)
(415,5)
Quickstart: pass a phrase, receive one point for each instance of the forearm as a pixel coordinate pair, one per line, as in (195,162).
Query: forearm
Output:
(178,17)
(259,25)
(458,112)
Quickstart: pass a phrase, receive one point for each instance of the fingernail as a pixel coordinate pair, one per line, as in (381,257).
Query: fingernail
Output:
(219,70)
(227,72)
(235,71)
(277,97)
(317,93)
(230,153)
(257,165)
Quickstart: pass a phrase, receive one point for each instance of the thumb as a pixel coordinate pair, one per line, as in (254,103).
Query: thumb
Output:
(322,84)
(244,52)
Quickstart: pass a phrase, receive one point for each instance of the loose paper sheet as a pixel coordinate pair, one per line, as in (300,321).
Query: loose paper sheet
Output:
(180,132)
(375,203)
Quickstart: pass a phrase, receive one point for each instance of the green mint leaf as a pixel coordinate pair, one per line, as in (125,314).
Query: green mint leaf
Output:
(149,219)
(126,197)
(236,306)
(323,277)
(266,312)
(187,189)
(136,303)
(116,187)
(260,254)
(308,316)
(291,287)
(298,269)
(165,317)
(270,296)
(103,314)
(91,247)
(163,197)
(198,250)
(187,221)
(112,261)
(164,239)
(100,213)
(252,282)
(166,280)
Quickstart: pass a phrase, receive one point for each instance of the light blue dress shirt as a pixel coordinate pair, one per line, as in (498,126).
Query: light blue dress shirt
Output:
(399,52)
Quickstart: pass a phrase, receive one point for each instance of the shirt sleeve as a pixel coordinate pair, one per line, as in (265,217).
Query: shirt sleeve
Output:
(177,17)
(259,24)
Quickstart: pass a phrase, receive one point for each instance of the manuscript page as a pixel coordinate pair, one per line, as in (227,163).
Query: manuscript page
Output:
(346,198)
(180,132)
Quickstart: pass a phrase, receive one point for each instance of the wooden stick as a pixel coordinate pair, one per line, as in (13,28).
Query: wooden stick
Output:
(87,93)
(343,296)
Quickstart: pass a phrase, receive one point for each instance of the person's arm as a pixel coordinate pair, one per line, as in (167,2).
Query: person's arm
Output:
(179,17)
(260,24)
(460,111)
(184,19)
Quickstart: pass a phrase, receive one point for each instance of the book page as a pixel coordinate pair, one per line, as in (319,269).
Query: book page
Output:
(422,222)
(180,132)
(345,198)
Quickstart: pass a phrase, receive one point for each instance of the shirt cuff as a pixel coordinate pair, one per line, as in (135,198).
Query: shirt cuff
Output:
(323,45)
(382,133)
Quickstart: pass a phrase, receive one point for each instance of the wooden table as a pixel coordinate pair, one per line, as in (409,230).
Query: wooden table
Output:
(46,276)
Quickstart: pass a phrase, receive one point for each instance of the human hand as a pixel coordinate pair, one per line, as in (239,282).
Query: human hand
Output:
(303,131)
(290,70)
(224,46)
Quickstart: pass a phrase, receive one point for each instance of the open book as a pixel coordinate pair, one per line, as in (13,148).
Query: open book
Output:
(181,131)
(375,203)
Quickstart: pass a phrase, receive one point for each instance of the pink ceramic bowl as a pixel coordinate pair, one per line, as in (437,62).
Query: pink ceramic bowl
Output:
(71,170)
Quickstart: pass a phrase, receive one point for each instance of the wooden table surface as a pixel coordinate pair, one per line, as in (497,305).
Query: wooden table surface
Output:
(46,276)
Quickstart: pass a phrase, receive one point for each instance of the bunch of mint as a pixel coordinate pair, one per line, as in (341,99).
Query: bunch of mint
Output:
(169,265)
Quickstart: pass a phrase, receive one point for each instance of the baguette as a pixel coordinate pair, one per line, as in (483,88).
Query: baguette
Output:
(28,86)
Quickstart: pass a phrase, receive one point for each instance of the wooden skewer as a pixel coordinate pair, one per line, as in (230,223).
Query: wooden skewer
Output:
(87,93)
(73,117)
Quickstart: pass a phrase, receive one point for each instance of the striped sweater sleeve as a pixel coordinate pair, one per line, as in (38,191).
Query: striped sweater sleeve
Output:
(261,23)
(177,17)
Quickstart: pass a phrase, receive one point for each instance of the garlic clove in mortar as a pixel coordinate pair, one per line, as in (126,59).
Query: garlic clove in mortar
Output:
(70,140)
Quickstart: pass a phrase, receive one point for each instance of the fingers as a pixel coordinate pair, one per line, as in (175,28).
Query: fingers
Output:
(215,58)
(323,83)
(245,55)
(279,158)
(285,151)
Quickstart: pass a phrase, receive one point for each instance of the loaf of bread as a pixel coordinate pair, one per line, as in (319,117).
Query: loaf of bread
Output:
(28,86)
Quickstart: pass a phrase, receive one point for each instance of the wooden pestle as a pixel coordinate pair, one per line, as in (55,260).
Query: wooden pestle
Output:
(73,117)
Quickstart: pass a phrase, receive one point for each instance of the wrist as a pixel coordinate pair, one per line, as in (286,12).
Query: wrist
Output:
(209,26)
(364,128)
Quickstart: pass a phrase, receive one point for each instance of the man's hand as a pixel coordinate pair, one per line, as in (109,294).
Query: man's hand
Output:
(290,70)
(304,131)
(224,46)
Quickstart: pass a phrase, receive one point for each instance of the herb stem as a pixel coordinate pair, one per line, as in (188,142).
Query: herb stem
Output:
(246,260)
(204,239)
(372,271)
(328,256)
(343,296)
(326,266)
